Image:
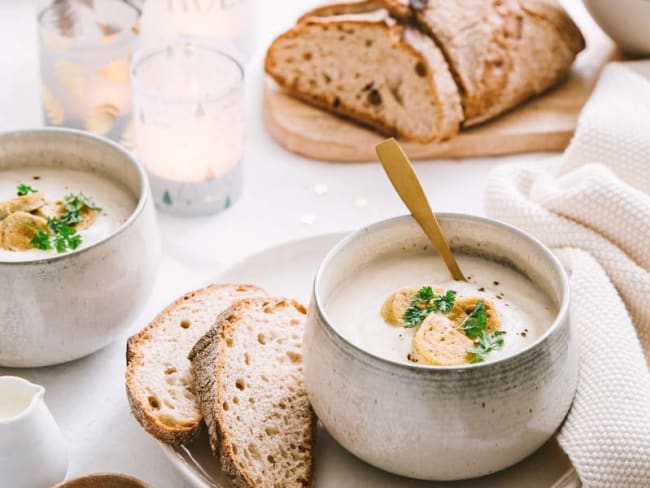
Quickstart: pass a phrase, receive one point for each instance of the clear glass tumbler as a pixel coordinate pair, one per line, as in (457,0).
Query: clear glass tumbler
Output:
(189,126)
(85,52)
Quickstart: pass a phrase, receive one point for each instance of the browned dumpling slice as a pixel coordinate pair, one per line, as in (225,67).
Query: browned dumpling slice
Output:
(18,229)
(88,218)
(463,306)
(50,210)
(439,342)
(56,210)
(396,304)
(25,203)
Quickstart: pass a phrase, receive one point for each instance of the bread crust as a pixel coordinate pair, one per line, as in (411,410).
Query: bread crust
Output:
(447,99)
(222,447)
(140,409)
(491,70)
(492,74)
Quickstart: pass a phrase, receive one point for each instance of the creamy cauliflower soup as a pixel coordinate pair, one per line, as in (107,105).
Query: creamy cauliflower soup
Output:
(45,212)
(406,308)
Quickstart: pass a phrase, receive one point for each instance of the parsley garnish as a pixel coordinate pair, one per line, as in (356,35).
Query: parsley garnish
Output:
(445,302)
(61,235)
(73,203)
(64,237)
(476,322)
(22,190)
(486,344)
(42,240)
(426,302)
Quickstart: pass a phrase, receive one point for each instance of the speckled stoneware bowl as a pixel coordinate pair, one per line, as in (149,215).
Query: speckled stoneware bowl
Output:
(66,306)
(441,423)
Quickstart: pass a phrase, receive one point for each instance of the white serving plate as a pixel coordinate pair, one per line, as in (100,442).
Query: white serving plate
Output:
(289,269)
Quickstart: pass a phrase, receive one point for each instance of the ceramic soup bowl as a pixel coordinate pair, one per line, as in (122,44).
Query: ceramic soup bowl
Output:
(441,423)
(61,307)
(625,21)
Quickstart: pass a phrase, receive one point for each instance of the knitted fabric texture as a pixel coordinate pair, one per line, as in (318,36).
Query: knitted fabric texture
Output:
(592,207)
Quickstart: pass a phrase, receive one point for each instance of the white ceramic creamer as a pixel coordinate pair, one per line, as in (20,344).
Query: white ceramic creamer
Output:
(33,453)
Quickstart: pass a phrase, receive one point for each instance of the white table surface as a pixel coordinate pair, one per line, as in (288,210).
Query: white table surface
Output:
(87,396)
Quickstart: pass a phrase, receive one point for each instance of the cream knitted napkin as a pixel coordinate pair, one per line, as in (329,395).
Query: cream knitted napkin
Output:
(592,206)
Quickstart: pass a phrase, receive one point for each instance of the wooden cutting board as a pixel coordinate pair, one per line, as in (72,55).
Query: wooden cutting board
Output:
(545,123)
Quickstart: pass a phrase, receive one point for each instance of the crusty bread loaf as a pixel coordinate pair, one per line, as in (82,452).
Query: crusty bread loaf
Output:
(499,52)
(159,385)
(367,67)
(249,374)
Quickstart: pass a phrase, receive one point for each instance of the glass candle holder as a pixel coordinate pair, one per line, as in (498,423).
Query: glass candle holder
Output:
(189,126)
(85,51)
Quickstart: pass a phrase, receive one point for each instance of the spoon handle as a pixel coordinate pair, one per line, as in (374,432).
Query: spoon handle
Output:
(402,175)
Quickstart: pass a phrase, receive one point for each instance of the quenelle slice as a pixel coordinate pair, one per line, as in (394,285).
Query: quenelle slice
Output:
(249,374)
(159,385)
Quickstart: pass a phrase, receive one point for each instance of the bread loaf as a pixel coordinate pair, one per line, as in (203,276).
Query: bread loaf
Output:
(489,54)
(501,52)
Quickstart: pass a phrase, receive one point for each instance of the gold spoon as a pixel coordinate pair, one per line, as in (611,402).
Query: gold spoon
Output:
(402,175)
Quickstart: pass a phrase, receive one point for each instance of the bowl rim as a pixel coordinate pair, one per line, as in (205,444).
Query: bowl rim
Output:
(79,134)
(103,476)
(560,317)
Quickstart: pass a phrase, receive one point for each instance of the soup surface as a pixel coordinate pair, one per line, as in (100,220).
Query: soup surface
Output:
(355,307)
(53,185)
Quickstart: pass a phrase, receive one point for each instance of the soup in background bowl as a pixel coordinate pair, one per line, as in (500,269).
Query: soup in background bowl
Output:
(405,406)
(78,245)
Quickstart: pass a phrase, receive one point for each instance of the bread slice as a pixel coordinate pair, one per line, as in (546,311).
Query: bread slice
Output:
(159,385)
(368,67)
(249,374)
(501,53)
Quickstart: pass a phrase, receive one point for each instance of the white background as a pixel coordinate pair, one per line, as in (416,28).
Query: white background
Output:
(87,396)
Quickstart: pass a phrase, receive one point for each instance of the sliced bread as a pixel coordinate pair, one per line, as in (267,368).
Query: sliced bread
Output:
(501,52)
(368,67)
(249,374)
(159,385)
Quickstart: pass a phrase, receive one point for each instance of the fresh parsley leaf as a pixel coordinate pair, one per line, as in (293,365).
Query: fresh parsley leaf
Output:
(425,294)
(64,236)
(415,315)
(445,302)
(61,236)
(41,241)
(74,241)
(22,190)
(426,302)
(476,322)
(72,205)
(487,342)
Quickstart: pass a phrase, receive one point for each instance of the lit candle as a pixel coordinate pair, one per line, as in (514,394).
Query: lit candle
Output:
(85,55)
(189,126)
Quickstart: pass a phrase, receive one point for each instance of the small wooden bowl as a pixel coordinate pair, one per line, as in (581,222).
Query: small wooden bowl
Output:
(103,480)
